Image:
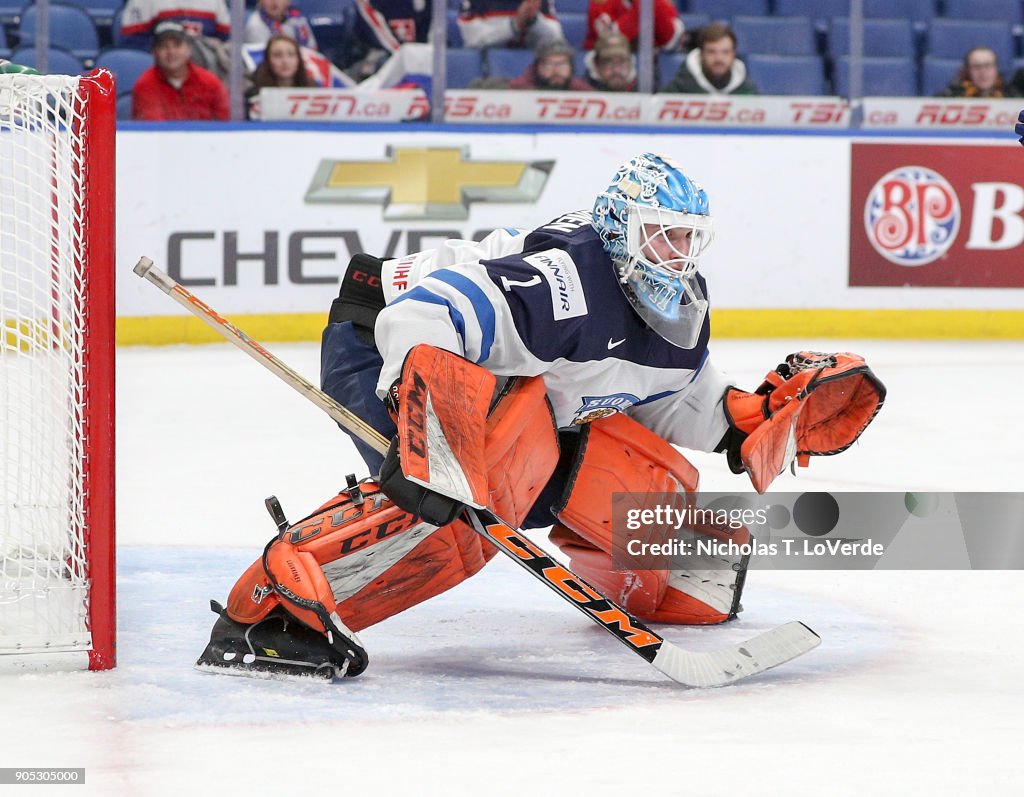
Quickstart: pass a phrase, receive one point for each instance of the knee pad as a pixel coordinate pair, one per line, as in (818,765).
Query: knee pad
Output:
(618,455)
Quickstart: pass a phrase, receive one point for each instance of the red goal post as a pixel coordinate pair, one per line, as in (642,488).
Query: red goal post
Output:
(57,317)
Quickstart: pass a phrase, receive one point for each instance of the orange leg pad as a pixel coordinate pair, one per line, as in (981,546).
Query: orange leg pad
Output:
(522,449)
(252,598)
(619,456)
(444,559)
(362,556)
(292,569)
(647,594)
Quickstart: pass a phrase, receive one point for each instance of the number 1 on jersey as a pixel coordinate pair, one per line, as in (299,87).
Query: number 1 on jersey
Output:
(508,284)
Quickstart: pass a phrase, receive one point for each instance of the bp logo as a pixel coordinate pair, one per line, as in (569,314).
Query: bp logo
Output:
(912,216)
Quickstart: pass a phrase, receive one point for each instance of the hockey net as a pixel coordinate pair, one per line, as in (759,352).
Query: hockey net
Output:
(56,371)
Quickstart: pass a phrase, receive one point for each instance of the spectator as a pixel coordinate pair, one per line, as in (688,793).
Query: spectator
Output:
(1017,81)
(388,24)
(380,28)
(979,77)
(200,18)
(611,65)
(551,70)
(1019,127)
(508,23)
(624,16)
(278,16)
(174,88)
(712,67)
(282,66)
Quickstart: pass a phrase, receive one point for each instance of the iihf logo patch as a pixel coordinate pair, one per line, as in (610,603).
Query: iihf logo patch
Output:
(912,216)
(596,407)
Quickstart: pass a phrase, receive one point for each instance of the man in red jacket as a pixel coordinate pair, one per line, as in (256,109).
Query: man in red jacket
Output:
(174,88)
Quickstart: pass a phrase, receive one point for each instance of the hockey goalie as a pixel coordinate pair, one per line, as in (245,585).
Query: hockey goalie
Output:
(535,373)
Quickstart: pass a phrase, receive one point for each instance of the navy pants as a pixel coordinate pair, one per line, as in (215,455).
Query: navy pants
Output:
(349,369)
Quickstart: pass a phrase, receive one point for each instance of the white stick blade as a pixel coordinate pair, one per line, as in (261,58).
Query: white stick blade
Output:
(721,667)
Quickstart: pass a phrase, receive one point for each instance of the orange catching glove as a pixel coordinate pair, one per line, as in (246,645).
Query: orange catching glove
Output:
(813,404)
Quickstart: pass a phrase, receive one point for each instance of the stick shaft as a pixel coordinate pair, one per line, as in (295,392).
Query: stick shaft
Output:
(230,332)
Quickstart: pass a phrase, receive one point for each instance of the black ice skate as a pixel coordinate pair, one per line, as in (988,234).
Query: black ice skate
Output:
(276,646)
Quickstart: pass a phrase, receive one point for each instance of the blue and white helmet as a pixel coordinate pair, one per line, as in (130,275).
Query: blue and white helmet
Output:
(655,224)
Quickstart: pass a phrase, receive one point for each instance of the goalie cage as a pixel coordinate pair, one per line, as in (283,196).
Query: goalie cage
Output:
(57,371)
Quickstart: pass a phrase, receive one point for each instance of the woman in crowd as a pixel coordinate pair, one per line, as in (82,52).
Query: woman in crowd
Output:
(979,77)
(282,66)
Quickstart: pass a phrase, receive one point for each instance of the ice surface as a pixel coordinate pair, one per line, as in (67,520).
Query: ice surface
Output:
(499,688)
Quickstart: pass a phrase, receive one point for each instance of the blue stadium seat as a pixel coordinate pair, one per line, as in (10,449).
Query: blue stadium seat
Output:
(883,77)
(774,35)
(801,75)
(915,10)
(453,32)
(4,49)
(101,11)
(580,68)
(1005,10)
(668,65)
(574,27)
(464,66)
(572,7)
(126,63)
(694,21)
(71,29)
(124,106)
(937,73)
(952,38)
(892,38)
(10,11)
(507,62)
(727,9)
(115,28)
(61,62)
(821,11)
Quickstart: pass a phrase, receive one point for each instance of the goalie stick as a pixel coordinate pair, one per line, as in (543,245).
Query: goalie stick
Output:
(690,668)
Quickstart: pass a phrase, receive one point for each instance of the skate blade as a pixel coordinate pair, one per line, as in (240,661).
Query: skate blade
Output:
(324,675)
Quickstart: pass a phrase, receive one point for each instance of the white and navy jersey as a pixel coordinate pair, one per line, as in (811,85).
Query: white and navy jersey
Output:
(388,24)
(548,302)
(492,23)
(198,17)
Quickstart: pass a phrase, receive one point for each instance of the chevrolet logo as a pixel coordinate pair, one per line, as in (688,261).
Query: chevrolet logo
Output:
(427,182)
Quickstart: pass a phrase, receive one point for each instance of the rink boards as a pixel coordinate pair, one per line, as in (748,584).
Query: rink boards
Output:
(819,234)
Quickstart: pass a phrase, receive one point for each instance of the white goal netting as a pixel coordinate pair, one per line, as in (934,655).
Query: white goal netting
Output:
(44,574)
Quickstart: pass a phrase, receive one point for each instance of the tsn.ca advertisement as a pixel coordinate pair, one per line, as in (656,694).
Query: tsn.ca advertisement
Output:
(553,107)
(891,113)
(610,108)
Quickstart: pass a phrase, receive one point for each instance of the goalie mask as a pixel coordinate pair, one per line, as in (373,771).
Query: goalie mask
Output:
(654,223)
